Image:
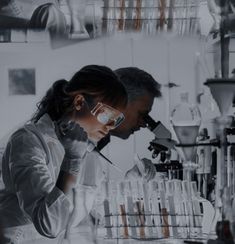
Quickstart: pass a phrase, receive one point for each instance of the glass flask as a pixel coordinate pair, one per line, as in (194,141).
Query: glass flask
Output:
(77,10)
(186,120)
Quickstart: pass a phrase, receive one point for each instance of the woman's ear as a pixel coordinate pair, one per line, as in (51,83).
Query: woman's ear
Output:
(78,102)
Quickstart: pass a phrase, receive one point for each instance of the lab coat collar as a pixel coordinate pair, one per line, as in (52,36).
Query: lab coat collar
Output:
(46,126)
(48,129)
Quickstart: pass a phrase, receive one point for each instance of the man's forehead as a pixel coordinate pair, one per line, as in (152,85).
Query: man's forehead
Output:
(145,100)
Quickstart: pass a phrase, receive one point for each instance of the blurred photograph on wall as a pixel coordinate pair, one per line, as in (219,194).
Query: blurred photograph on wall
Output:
(66,21)
(22,81)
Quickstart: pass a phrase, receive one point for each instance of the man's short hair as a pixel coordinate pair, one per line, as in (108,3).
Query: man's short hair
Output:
(138,82)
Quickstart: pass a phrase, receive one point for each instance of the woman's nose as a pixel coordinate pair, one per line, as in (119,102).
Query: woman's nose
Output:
(109,127)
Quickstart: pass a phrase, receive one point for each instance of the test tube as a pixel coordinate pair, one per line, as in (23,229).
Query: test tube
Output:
(180,211)
(129,15)
(155,209)
(138,10)
(172,210)
(147,209)
(146,11)
(233,170)
(187,196)
(197,215)
(105,16)
(164,212)
(123,213)
(114,203)
(110,16)
(130,209)
(140,209)
(107,212)
(121,20)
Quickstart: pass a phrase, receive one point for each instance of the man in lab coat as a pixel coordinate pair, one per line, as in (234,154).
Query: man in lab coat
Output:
(142,89)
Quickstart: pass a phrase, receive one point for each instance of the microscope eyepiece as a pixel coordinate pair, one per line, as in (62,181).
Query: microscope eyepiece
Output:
(162,141)
(150,122)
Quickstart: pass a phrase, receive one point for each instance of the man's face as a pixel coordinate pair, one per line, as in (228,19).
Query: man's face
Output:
(134,113)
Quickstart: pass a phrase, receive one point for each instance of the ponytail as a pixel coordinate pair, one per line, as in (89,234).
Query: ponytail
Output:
(55,103)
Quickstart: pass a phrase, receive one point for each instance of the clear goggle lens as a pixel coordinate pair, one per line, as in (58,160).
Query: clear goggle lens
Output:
(107,115)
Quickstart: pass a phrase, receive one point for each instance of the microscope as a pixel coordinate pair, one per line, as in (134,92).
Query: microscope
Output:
(161,144)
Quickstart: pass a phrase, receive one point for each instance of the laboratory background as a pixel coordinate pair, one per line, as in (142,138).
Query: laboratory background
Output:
(188,47)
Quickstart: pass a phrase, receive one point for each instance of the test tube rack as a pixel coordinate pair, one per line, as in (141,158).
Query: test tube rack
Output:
(151,16)
(154,210)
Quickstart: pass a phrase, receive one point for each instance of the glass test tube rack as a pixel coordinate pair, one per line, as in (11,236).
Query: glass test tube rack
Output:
(151,16)
(151,211)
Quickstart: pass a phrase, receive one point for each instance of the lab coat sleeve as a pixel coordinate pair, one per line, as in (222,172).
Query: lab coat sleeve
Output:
(39,198)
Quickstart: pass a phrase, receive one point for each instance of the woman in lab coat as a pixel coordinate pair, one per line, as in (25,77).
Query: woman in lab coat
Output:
(42,159)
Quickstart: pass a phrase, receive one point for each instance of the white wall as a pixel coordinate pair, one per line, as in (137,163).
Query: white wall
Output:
(149,54)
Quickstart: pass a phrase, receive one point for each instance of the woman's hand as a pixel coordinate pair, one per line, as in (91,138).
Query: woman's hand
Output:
(74,140)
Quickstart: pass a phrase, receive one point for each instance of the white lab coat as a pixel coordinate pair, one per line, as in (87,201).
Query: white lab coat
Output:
(30,200)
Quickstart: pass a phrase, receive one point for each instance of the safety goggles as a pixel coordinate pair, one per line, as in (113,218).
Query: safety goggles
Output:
(107,115)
